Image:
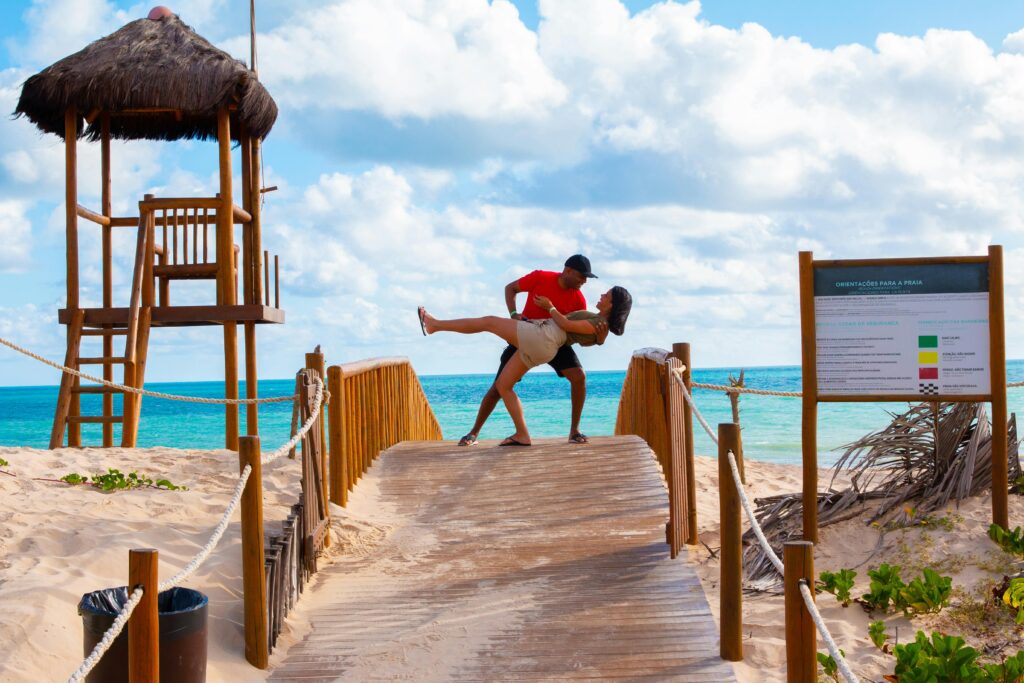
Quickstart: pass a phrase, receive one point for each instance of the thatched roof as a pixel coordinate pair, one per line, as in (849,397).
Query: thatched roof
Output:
(149,64)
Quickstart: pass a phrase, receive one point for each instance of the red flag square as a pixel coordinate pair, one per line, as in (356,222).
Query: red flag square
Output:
(928,373)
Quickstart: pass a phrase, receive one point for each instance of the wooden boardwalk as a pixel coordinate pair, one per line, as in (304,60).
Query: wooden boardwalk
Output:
(542,563)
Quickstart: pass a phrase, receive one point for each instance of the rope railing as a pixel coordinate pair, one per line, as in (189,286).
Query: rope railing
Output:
(833,649)
(108,638)
(755,526)
(137,390)
(746,390)
(122,618)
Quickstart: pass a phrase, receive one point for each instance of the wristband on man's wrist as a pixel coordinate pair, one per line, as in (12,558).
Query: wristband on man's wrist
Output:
(512,312)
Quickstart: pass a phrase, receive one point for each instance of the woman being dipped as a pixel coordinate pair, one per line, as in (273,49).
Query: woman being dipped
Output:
(538,341)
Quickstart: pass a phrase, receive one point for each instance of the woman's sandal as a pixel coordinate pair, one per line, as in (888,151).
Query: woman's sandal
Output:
(423,325)
(509,441)
(468,440)
(579,437)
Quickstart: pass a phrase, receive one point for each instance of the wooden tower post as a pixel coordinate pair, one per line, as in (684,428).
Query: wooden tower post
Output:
(106,209)
(226,276)
(71,216)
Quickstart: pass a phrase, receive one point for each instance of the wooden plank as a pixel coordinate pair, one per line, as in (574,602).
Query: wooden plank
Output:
(164,316)
(534,563)
(105,332)
(95,419)
(95,389)
(189,271)
(907,261)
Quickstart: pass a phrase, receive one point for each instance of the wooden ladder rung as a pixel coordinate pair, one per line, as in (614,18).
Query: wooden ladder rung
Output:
(95,419)
(100,360)
(95,389)
(104,332)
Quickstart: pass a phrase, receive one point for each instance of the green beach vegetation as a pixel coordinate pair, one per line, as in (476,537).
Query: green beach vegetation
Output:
(116,480)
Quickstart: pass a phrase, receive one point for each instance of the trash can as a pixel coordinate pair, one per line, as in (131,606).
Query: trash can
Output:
(182,634)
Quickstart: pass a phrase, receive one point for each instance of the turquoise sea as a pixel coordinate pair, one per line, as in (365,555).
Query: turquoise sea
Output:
(771,426)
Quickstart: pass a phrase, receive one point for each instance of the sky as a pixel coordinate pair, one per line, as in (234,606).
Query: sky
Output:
(431,151)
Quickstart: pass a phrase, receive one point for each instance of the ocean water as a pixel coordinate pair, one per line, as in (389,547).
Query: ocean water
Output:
(771,425)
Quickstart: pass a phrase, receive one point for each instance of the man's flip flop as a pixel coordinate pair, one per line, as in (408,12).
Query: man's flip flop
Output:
(509,441)
(423,326)
(579,437)
(468,440)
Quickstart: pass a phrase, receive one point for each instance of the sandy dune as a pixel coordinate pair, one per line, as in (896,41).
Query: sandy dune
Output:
(58,542)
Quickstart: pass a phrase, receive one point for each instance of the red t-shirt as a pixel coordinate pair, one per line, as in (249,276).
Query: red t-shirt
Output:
(545,283)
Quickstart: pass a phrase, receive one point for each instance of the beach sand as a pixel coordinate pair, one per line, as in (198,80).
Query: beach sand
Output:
(962,551)
(58,542)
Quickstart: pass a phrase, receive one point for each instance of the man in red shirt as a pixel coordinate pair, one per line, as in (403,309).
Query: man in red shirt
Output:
(563,289)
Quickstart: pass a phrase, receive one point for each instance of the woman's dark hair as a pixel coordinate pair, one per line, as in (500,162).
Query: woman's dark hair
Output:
(622,302)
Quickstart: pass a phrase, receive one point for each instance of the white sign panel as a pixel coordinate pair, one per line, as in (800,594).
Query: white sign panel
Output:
(899,330)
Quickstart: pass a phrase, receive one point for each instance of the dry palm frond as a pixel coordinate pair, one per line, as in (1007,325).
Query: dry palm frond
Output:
(930,455)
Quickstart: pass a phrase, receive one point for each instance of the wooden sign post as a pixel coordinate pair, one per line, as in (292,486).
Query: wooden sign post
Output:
(906,329)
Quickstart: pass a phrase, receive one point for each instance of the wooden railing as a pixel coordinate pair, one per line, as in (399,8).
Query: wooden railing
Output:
(375,404)
(372,405)
(652,407)
(184,251)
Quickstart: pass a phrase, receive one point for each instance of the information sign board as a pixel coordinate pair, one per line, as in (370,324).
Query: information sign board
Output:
(903,329)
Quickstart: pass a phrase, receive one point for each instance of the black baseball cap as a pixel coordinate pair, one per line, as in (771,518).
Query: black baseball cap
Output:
(581,263)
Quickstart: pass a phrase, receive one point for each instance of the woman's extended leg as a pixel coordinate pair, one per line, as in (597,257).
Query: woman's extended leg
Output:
(505,384)
(506,328)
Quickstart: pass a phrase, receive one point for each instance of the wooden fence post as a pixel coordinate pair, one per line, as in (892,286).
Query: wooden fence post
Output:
(682,352)
(315,361)
(144,623)
(801,638)
(675,404)
(731,597)
(339,464)
(254,582)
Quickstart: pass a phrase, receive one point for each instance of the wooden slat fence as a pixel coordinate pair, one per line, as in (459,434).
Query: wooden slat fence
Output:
(375,404)
(652,407)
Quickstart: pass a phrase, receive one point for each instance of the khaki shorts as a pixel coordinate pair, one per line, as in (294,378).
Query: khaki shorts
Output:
(539,341)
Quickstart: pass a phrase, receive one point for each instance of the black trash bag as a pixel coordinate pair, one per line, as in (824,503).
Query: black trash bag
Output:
(182,615)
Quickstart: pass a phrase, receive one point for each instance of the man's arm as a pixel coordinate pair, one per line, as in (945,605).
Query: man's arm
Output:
(511,289)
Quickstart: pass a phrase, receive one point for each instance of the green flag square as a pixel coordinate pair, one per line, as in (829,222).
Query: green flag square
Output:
(928,342)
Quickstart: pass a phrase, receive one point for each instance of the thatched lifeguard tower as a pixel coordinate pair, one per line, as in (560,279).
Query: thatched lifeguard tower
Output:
(156,79)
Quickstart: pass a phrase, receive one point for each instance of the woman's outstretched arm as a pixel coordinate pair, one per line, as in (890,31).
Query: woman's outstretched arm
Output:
(577,326)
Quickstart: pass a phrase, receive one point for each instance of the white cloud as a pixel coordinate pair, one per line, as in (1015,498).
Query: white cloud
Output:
(15,235)
(1014,42)
(56,28)
(916,119)
(419,58)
